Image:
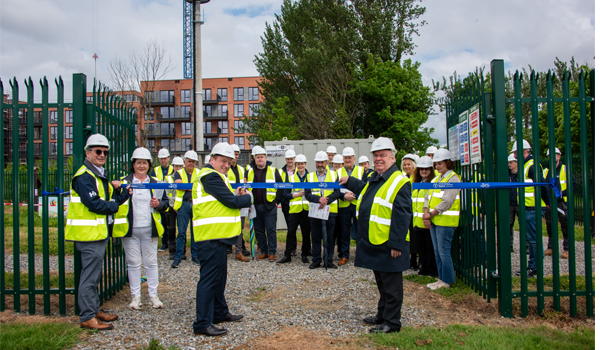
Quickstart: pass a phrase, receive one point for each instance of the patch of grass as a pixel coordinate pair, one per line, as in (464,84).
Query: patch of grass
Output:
(23,219)
(549,282)
(9,279)
(38,241)
(578,230)
(457,291)
(39,336)
(156,345)
(486,337)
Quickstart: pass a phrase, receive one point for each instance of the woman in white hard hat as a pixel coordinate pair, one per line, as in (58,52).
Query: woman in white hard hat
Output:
(138,223)
(423,174)
(441,212)
(409,164)
(337,162)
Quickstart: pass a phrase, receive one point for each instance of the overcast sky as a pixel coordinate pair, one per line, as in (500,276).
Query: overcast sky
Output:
(54,37)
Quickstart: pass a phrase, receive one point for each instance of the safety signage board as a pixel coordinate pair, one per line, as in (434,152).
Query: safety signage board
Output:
(475,134)
(453,143)
(278,150)
(53,205)
(463,138)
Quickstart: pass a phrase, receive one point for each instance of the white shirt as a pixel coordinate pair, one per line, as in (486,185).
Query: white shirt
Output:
(140,202)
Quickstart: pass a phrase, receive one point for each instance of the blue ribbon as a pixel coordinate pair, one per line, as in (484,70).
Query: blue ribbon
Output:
(485,185)
(56,192)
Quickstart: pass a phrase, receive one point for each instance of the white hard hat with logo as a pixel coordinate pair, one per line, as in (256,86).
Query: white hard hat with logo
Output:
(525,146)
(164,153)
(223,149)
(141,153)
(383,143)
(425,162)
(256,150)
(97,140)
(348,152)
(290,153)
(441,154)
(431,150)
(321,157)
(300,158)
(177,161)
(363,159)
(338,158)
(191,155)
(236,148)
(331,149)
(556,151)
(411,156)
(511,158)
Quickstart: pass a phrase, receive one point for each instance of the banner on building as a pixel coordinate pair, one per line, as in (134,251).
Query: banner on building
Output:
(474,134)
(463,135)
(278,151)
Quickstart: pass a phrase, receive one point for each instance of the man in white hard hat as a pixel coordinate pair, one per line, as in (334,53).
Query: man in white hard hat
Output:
(216,223)
(286,172)
(363,161)
(381,243)
(206,159)
(93,201)
(513,170)
(331,152)
(183,206)
(160,172)
(237,174)
(430,151)
(171,227)
(265,202)
(529,169)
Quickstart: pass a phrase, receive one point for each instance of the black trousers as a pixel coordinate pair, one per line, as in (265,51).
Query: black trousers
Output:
(514,212)
(414,248)
(426,252)
(345,217)
(295,219)
(316,231)
(391,294)
(562,220)
(170,231)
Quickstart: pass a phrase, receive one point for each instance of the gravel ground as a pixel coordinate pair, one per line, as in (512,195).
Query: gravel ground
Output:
(39,263)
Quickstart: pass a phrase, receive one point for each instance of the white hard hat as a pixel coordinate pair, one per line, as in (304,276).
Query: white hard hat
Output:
(338,158)
(363,159)
(511,158)
(556,150)
(206,159)
(290,153)
(164,153)
(441,154)
(236,148)
(321,157)
(525,146)
(223,149)
(191,155)
(383,143)
(141,153)
(331,149)
(258,150)
(425,162)
(97,140)
(348,152)
(300,158)
(431,150)
(177,161)
(410,156)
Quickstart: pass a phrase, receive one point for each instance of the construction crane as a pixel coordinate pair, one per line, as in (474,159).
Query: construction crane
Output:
(188,37)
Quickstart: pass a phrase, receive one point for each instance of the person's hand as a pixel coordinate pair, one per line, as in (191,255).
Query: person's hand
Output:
(298,194)
(426,215)
(349,196)
(427,223)
(240,191)
(343,180)
(547,207)
(396,253)
(154,203)
(323,201)
(116,184)
(130,190)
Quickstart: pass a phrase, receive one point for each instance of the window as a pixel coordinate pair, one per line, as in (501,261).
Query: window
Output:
(37,133)
(53,133)
(52,150)
(167,129)
(68,148)
(52,119)
(206,95)
(150,145)
(185,112)
(223,127)
(238,110)
(167,112)
(149,115)
(253,94)
(223,139)
(167,96)
(164,143)
(37,149)
(207,111)
(186,129)
(68,116)
(68,132)
(239,140)
(208,144)
(222,110)
(37,117)
(183,145)
(238,94)
(253,109)
(89,99)
(223,94)
(238,126)
(208,127)
(186,96)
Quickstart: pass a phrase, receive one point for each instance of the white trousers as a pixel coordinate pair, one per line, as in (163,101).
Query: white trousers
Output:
(141,247)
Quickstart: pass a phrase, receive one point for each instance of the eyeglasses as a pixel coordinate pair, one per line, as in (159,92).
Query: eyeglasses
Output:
(99,152)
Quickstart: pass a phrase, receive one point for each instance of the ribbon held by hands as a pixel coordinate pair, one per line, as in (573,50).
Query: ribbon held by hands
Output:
(56,192)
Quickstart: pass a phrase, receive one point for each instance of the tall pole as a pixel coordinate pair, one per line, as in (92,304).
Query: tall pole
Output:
(198,113)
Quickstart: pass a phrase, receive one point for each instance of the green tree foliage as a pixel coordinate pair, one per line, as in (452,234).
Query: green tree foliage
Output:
(277,124)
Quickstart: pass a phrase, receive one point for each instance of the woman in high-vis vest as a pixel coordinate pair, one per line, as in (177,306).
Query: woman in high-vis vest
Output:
(384,213)
(441,212)
(138,224)
(409,166)
(423,174)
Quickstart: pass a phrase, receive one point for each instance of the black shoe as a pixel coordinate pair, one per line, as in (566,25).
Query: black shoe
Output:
(246,252)
(212,331)
(163,248)
(175,263)
(171,257)
(530,273)
(184,257)
(331,266)
(285,259)
(305,259)
(294,252)
(314,265)
(196,261)
(422,273)
(230,318)
(309,253)
(372,320)
(512,249)
(383,329)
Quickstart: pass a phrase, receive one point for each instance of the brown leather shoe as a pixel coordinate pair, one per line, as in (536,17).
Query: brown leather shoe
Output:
(239,256)
(106,317)
(342,262)
(262,256)
(95,323)
(272,257)
(565,255)
(548,252)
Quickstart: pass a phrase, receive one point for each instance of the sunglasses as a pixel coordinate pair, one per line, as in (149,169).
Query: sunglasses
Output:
(99,152)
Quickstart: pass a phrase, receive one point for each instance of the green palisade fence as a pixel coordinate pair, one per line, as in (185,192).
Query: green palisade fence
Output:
(481,248)
(107,114)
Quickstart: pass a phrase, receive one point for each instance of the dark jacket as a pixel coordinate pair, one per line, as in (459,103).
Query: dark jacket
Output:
(279,195)
(378,257)
(162,207)
(213,184)
(543,189)
(513,191)
(285,203)
(288,193)
(573,181)
(314,198)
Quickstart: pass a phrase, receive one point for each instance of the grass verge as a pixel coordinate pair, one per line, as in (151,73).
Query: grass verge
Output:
(46,336)
(456,292)
(156,345)
(9,279)
(549,282)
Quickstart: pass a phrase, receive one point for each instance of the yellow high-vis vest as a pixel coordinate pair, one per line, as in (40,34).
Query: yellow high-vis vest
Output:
(562,177)
(450,217)
(121,224)
(231,174)
(184,179)
(270,178)
(357,173)
(299,203)
(418,199)
(329,177)
(159,173)
(529,191)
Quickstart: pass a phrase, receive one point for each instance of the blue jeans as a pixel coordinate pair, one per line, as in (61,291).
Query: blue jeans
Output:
(184,215)
(532,237)
(266,220)
(441,237)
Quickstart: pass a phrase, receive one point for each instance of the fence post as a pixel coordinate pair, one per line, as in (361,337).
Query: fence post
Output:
(16,219)
(2,186)
(490,195)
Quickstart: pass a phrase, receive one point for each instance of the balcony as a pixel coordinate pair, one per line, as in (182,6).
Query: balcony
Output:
(157,101)
(223,116)
(213,132)
(212,102)
(157,134)
(178,117)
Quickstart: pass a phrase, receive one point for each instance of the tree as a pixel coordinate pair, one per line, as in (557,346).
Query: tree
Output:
(138,73)
(272,126)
